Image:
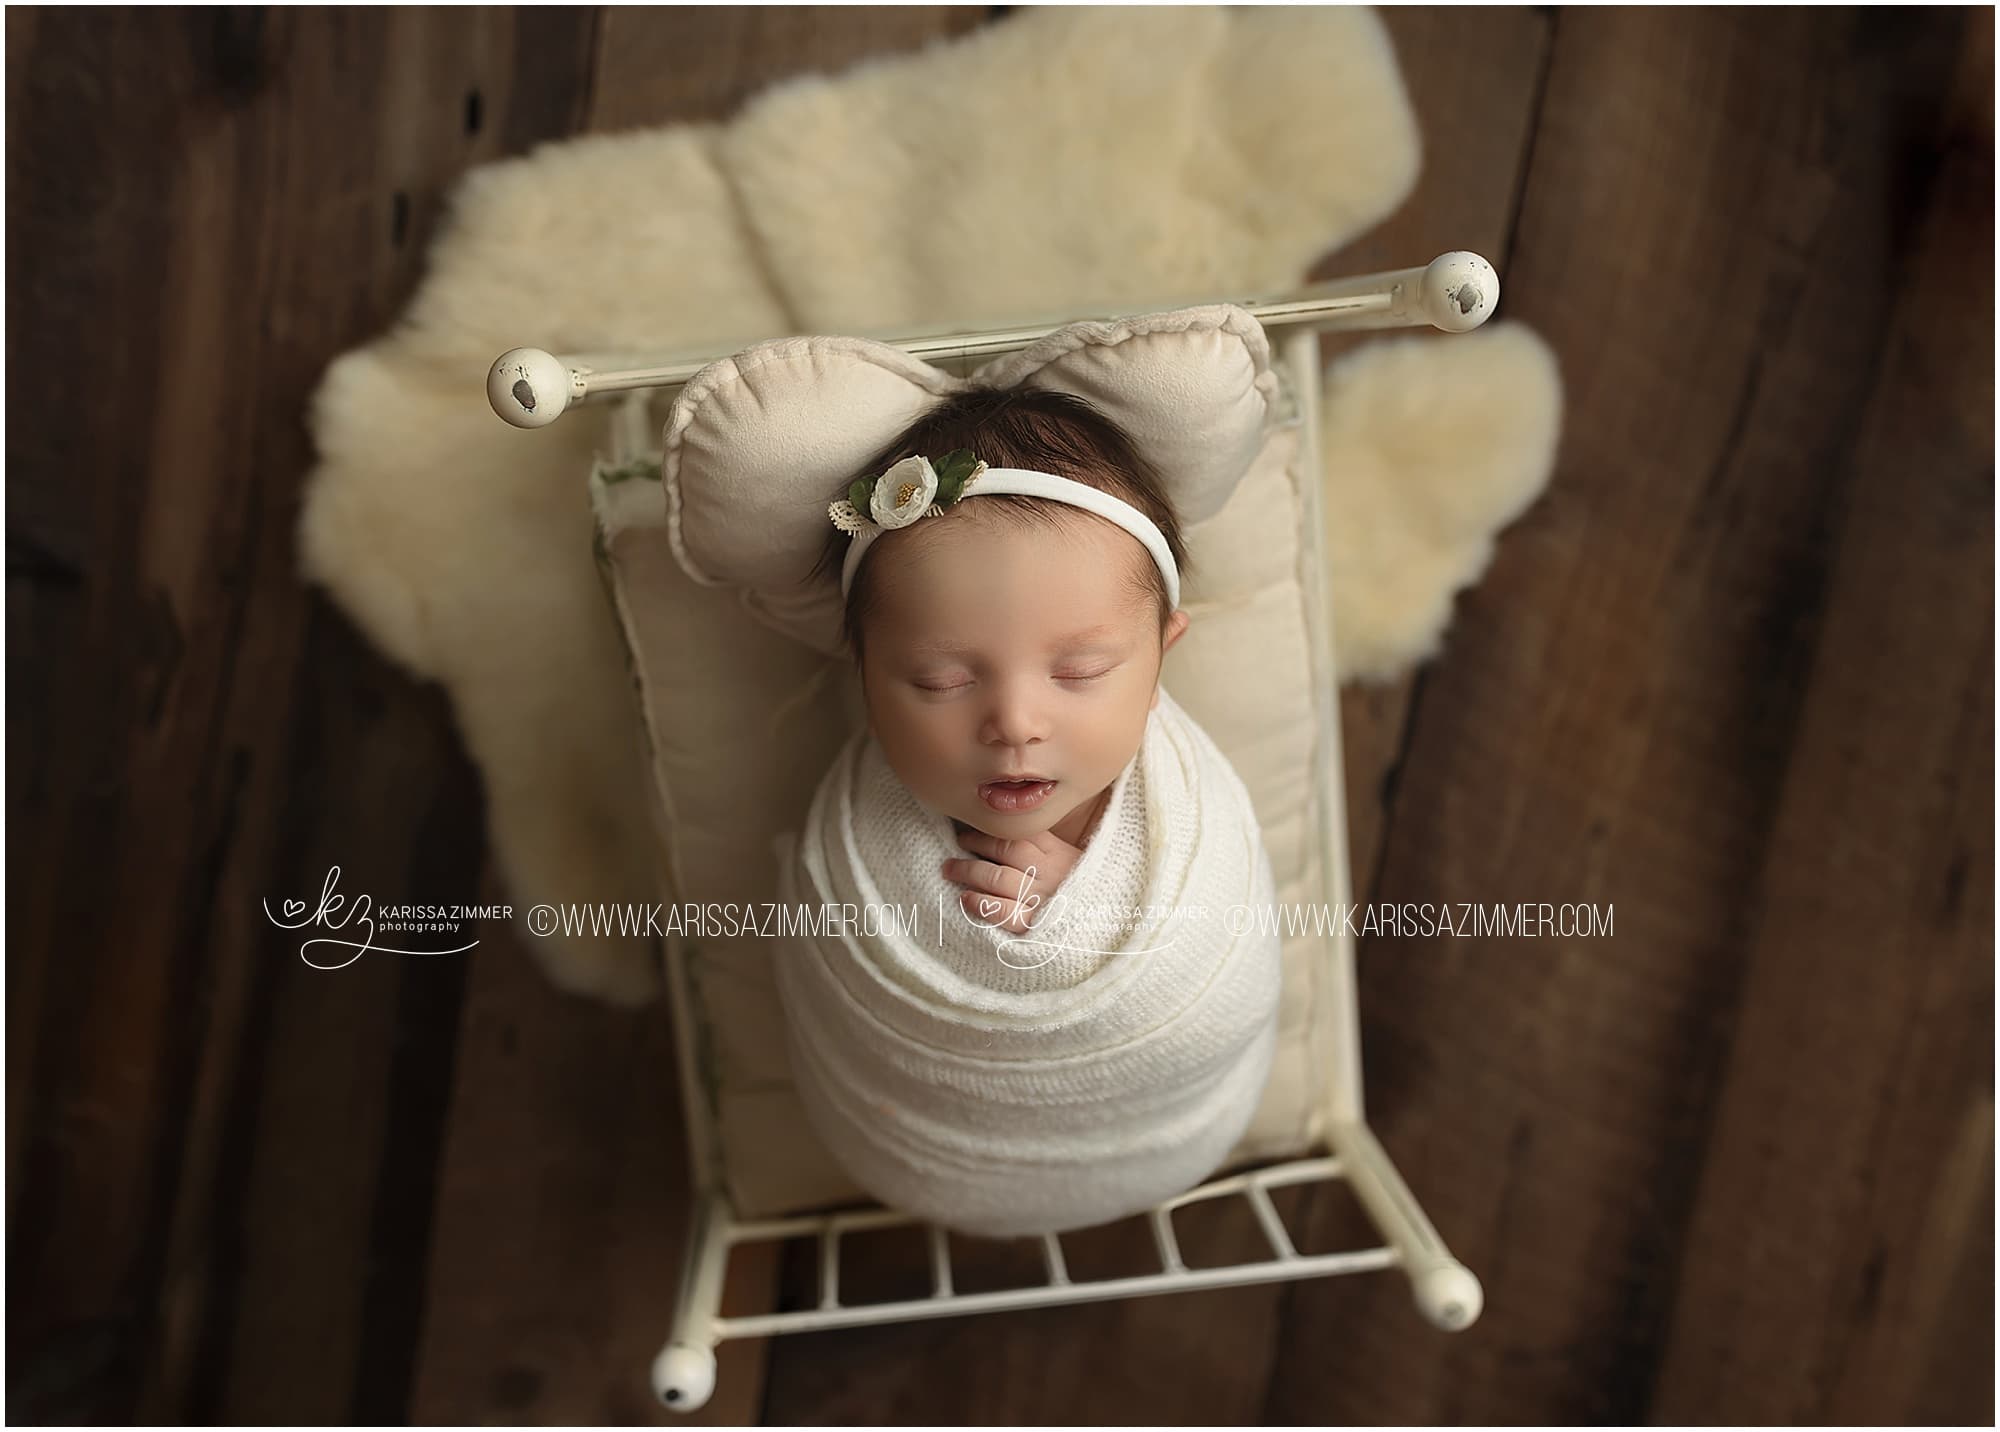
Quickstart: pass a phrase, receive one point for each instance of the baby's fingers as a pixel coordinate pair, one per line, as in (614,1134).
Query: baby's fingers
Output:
(1017,854)
(993,879)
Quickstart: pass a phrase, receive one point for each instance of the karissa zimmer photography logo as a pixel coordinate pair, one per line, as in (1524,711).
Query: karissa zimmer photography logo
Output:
(365,926)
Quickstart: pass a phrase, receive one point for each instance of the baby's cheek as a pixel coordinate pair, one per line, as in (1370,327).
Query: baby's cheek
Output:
(916,749)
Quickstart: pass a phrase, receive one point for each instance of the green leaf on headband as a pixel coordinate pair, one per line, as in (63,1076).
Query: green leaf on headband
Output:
(857,493)
(952,470)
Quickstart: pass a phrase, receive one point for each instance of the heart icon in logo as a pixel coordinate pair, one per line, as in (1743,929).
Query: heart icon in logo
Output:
(989,907)
(292,907)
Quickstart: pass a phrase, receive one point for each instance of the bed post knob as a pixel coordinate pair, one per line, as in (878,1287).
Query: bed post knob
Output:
(683,1376)
(1449,1296)
(1460,291)
(529,387)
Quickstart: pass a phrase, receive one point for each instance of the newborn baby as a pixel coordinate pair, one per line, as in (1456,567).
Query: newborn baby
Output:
(1080,1035)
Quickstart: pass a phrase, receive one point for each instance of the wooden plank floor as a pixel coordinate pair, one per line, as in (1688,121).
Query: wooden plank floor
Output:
(1733,676)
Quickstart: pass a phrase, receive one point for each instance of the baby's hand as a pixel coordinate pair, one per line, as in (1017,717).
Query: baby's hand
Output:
(1007,888)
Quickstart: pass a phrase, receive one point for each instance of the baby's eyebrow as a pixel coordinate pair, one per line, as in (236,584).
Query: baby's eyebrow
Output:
(1066,643)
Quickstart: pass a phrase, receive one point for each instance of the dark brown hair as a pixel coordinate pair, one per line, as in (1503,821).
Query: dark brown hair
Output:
(1033,428)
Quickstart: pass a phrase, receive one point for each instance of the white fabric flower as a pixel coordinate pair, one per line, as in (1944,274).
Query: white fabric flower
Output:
(903,493)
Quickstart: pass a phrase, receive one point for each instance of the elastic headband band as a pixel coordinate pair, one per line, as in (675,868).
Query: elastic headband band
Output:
(1026,482)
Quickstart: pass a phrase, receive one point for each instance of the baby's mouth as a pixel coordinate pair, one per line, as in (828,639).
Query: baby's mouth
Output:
(1015,795)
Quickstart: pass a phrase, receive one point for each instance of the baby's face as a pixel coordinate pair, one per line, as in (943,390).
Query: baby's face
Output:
(1000,649)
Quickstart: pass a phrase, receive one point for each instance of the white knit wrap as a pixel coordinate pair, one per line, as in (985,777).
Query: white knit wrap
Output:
(1004,1087)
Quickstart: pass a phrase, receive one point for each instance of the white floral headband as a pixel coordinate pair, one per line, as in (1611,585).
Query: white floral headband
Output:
(914,489)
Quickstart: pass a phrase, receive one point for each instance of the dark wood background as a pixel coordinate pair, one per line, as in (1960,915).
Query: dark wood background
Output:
(1733,675)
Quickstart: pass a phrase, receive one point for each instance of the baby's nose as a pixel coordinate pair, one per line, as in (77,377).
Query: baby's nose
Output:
(1016,723)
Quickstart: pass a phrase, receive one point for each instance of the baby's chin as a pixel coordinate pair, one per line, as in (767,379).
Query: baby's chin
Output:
(1018,825)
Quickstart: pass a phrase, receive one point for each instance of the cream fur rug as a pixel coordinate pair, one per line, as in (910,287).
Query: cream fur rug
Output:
(1063,162)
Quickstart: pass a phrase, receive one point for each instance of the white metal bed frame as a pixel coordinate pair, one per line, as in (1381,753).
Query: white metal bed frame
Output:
(1457,292)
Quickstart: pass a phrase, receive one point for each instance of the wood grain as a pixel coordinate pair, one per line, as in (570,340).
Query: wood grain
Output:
(1860,1029)
(1630,707)
(221,1159)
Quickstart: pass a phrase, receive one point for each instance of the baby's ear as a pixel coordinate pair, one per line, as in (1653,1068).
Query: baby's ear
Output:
(1176,625)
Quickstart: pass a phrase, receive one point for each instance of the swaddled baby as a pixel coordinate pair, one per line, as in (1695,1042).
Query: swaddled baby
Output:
(1073,1030)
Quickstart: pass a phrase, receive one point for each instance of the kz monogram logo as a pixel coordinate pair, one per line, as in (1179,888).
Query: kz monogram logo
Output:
(989,906)
(1011,946)
(335,913)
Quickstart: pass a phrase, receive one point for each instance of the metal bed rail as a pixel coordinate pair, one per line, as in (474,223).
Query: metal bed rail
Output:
(1455,292)
(1448,1295)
